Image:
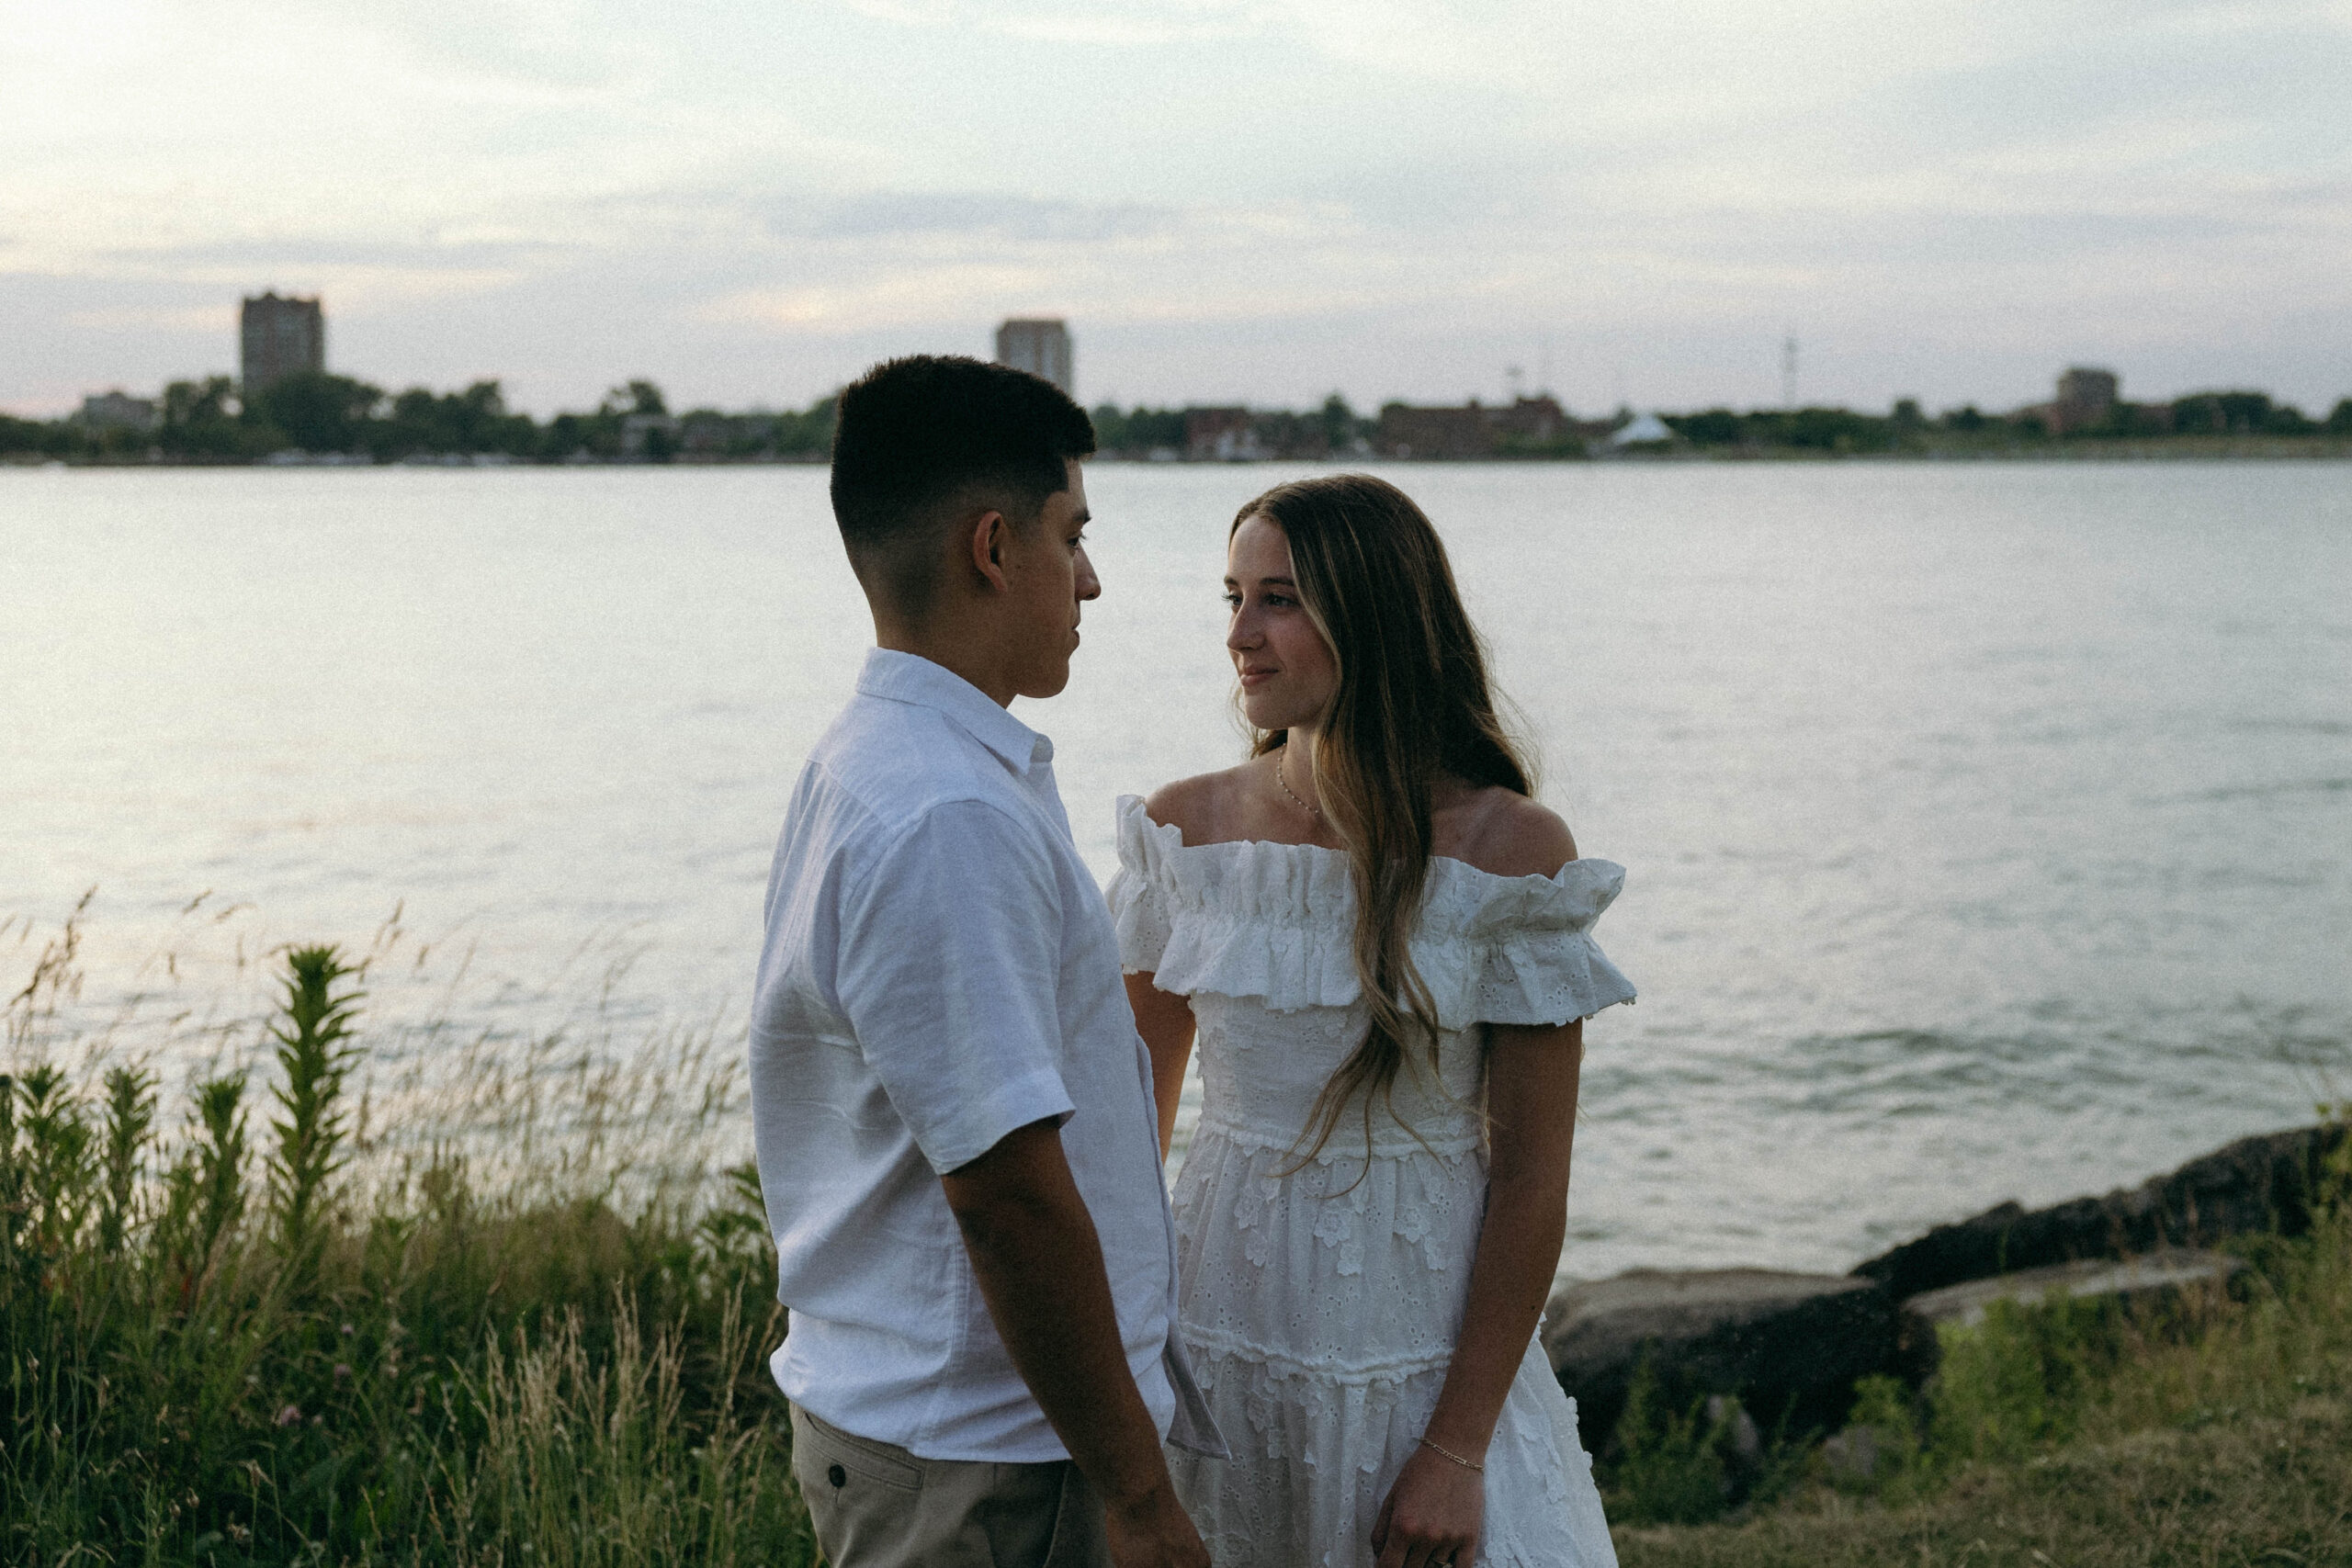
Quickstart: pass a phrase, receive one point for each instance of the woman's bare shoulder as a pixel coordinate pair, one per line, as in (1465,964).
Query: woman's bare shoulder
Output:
(1506,834)
(1199,807)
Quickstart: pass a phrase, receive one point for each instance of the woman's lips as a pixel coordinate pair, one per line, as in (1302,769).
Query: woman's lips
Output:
(1257,677)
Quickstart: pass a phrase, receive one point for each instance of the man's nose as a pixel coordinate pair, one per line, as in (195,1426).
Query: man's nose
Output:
(1089,585)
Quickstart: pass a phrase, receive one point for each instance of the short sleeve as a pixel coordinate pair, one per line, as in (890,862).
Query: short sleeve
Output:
(1139,891)
(1529,957)
(949,975)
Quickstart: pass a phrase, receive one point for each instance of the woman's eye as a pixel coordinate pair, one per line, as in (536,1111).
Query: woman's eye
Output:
(1232,599)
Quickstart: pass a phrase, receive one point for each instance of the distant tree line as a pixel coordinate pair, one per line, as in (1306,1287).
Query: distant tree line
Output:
(208,421)
(1907,428)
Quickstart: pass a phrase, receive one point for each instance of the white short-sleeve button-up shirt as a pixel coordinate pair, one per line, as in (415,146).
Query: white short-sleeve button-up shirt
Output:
(939,969)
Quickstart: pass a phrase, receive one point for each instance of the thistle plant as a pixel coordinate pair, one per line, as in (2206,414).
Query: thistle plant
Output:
(131,1117)
(58,1165)
(12,1192)
(314,1056)
(220,1159)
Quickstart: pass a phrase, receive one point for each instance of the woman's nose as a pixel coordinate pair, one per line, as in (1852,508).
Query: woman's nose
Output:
(1241,633)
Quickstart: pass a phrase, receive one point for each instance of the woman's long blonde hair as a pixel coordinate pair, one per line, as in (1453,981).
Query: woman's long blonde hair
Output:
(1413,708)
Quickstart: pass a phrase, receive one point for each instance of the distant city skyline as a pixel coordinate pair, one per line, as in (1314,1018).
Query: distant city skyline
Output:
(1231,201)
(282,336)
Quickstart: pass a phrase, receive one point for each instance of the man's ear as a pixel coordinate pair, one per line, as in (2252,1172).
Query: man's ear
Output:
(987,535)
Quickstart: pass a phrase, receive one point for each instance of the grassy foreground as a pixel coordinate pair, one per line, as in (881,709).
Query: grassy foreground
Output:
(229,1343)
(258,1335)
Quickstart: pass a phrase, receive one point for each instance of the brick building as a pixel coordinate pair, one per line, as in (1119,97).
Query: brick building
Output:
(1475,430)
(1221,436)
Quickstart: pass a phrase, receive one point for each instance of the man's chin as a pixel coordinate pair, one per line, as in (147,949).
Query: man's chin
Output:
(1047,683)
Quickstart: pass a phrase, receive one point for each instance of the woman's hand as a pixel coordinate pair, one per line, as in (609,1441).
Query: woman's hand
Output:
(1432,1515)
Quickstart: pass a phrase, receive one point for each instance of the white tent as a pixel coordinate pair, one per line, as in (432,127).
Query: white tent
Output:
(1643,429)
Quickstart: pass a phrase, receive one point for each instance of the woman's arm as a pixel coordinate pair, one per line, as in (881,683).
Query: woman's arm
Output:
(1437,1504)
(1165,1023)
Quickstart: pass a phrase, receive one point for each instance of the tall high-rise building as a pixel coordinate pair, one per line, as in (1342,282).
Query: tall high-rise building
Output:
(1040,346)
(278,338)
(2086,398)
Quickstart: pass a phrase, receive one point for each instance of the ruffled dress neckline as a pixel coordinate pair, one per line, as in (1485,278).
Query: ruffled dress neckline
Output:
(1276,922)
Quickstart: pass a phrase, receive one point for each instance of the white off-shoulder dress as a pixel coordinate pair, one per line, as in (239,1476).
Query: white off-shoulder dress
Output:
(1321,1308)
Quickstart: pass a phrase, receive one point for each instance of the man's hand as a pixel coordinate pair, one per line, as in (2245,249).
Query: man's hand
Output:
(1040,1267)
(1153,1531)
(1432,1515)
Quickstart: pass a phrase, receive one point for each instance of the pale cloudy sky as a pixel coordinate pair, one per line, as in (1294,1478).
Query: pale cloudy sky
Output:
(1258,200)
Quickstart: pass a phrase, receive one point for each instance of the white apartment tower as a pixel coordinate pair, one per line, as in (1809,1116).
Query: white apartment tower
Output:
(1040,346)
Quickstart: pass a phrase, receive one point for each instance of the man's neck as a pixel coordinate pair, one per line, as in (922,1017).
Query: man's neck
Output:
(953,651)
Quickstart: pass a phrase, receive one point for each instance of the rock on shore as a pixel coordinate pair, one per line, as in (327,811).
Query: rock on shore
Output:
(1791,1346)
(2255,1184)
(2138,1280)
(1788,1344)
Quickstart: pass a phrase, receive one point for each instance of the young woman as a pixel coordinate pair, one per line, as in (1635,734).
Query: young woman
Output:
(1381,943)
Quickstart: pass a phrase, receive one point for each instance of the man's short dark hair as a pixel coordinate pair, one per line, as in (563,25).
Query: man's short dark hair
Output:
(912,437)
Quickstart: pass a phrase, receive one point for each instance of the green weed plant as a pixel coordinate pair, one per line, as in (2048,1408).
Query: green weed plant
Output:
(217,1353)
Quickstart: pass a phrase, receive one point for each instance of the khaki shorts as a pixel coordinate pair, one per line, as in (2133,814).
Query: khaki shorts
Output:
(876,1506)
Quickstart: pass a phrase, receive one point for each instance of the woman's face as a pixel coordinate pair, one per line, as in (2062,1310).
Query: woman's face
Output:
(1288,676)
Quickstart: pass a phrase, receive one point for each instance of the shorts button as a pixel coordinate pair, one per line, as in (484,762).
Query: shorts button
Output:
(837,1475)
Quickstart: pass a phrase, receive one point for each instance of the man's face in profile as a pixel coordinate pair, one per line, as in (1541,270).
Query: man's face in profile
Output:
(1049,577)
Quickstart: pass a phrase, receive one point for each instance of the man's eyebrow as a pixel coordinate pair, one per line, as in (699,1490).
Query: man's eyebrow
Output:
(1084,518)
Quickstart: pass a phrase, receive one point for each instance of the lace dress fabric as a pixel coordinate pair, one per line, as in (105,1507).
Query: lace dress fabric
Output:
(1321,1308)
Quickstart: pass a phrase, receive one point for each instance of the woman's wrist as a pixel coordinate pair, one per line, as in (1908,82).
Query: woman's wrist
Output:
(1464,1442)
(1478,1466)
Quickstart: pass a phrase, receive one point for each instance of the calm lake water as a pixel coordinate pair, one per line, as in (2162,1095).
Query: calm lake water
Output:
(1988,827)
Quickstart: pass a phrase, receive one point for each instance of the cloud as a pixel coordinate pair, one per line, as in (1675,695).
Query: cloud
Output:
(1404,192)
(991,215)
(1119,24)
(154,318)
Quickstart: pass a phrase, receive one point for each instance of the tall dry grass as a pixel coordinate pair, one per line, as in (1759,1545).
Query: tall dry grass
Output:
(515,1313)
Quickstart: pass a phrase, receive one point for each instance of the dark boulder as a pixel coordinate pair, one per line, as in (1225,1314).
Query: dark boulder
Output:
(1788,1344)
(2255,1184)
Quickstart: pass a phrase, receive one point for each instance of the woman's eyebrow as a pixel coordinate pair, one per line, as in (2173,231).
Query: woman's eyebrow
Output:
(1265,583)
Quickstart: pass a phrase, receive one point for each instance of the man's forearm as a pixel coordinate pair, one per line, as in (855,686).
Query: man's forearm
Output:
(1039,1265)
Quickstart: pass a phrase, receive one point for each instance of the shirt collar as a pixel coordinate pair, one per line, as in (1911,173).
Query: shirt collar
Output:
(910,678)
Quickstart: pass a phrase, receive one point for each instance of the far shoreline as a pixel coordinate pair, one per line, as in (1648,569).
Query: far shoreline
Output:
(2220,449)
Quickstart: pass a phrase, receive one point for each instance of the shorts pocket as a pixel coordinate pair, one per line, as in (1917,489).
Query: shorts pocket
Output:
(859,1456)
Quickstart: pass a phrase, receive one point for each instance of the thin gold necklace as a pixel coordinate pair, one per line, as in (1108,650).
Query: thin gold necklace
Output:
(1283,784)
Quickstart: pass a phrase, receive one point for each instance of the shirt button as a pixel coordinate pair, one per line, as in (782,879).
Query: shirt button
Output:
(837,1475)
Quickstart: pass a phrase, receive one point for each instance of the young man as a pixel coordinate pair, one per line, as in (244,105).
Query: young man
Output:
(952,1108)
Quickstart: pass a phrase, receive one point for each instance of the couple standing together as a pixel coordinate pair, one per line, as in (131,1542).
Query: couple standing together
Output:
(1005,1346)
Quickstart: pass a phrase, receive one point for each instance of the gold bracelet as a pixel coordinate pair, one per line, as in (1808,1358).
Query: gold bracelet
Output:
(1443,1452)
